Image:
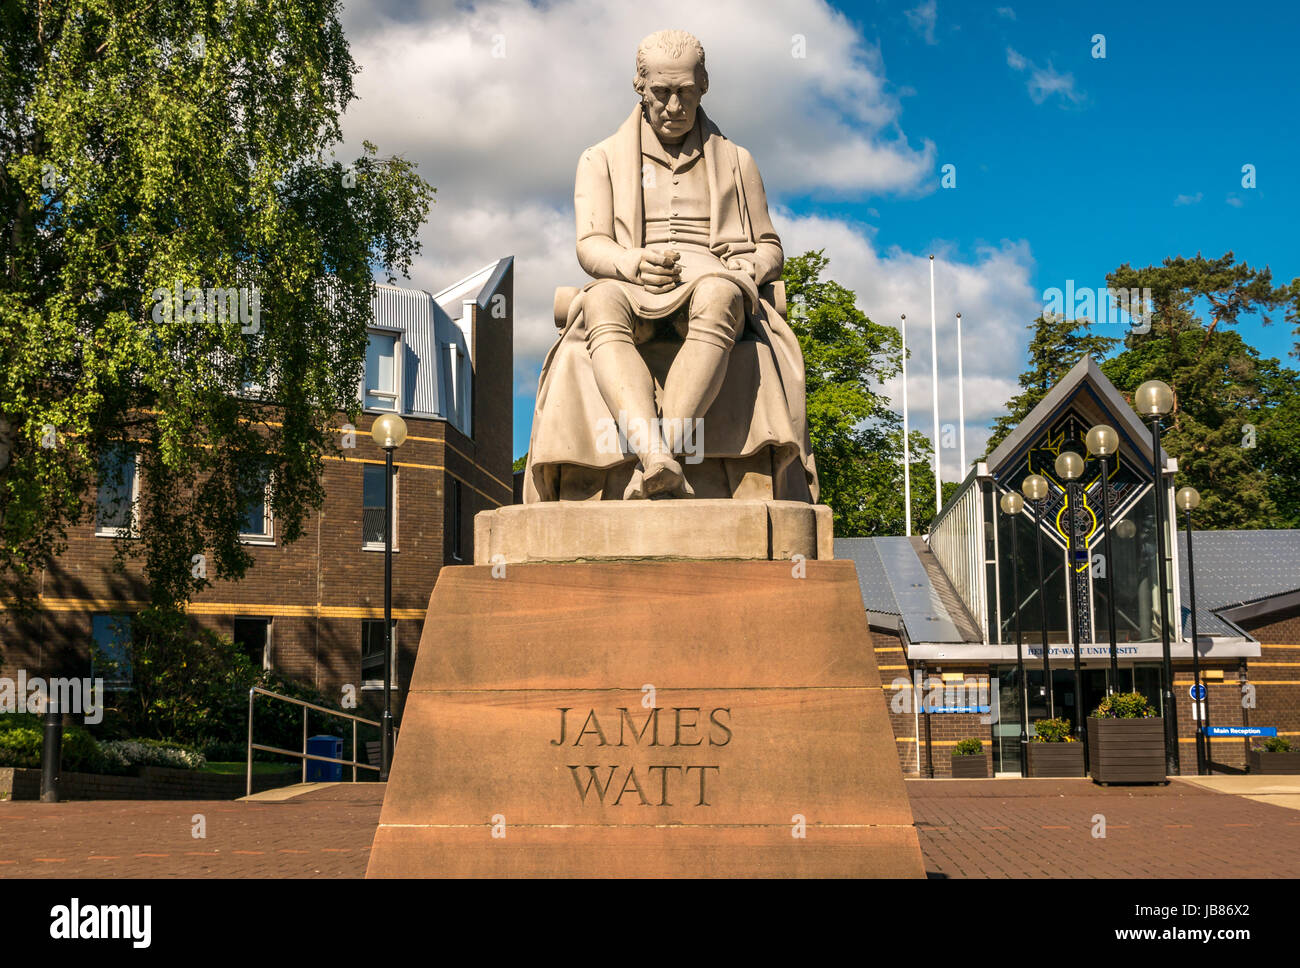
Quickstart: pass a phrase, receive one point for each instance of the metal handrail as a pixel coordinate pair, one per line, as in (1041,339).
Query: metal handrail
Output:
(304,755)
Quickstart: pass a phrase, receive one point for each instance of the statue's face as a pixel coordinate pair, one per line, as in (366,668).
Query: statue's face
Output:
(671,94)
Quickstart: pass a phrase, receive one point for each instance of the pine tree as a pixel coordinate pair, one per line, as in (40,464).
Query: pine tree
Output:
(1057,345)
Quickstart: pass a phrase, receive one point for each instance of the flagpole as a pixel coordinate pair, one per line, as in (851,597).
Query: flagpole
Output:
(934,390)
(961,406)
(907,451)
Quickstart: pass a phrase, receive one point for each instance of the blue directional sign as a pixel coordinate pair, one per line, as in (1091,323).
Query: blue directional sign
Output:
(1197,692)
(1241,731)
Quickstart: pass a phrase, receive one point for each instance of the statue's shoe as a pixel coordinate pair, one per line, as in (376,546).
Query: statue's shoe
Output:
(660,476)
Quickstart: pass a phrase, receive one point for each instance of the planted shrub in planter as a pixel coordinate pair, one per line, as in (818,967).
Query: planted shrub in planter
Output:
(968,761)
(1126,740)
(1276,756)
(1054,751)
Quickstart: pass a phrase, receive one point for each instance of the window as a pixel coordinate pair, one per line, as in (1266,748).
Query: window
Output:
(372,508)
(258,525)
(253,638)
(116,503)
(372,653)
(454,529)
(383,371)
(457,388)
(111,652)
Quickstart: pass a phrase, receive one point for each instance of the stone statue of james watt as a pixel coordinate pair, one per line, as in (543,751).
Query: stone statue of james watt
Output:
(675,374)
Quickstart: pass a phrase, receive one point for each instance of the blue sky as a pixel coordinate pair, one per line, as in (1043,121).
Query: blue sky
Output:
(1067,165)
(1134,158)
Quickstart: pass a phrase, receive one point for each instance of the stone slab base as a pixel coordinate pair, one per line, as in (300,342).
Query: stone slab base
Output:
(646,719)
(669,529)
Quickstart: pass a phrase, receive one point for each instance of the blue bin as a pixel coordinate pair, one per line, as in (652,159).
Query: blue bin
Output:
(325,746)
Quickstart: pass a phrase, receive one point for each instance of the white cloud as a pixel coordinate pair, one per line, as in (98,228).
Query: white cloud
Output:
(500,136)
(1188,199)
(1006,12)
(1044,82)
(923,18)
(993,292)
(496,100)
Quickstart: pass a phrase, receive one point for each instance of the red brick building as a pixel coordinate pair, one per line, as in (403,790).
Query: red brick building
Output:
(313,610)
(944,610)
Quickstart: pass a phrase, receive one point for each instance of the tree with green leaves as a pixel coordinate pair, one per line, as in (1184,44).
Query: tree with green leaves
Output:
(188,272)
(1056,346)
(1234,417)
(857,438)
(1235,427)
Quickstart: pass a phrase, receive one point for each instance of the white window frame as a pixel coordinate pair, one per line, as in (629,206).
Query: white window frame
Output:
(398,355)
(133,531)
(397,506)
(369,685)
(267,536)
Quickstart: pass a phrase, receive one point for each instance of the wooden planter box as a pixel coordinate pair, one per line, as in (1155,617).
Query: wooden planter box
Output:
(970,767)
(1056,759)
(1262,761)
(1127,750)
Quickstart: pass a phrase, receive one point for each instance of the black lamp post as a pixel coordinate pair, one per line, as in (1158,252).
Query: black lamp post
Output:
(1103,442)
(1069,467)
(1034,488)
(1153,400)
(389,432)
(1012,504)
(52,752)
(1188,499)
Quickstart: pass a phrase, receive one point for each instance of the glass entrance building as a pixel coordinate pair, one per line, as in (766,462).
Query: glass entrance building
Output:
(945,610)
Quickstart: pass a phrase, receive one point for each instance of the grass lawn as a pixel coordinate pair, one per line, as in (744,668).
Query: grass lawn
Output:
(241,767)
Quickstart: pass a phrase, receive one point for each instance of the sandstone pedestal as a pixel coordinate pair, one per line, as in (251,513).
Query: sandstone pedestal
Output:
(646,719)
(653,530)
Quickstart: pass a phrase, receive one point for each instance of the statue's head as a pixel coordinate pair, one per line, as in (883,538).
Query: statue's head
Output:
(671,79)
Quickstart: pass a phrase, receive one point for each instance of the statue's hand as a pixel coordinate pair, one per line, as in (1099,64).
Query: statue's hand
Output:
(737,264)
(658,270)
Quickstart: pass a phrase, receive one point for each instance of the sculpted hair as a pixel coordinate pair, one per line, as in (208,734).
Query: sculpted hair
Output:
(674,42)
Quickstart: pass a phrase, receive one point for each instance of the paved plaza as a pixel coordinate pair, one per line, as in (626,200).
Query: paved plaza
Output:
(1045,828)
(1222,827)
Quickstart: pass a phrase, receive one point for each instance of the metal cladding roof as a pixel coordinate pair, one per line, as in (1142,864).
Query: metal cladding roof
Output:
(877,595)
(1236,568)
(428,322)
(894,581)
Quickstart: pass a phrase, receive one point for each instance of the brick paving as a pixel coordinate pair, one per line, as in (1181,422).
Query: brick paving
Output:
(968,828)
(1044,828)
(322,833)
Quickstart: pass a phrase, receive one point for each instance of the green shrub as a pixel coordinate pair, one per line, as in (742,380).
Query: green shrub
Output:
(1277,744)
(1125,705)
(81,753)
(968,747)
(1053,731)
(21,747)
(191,686)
